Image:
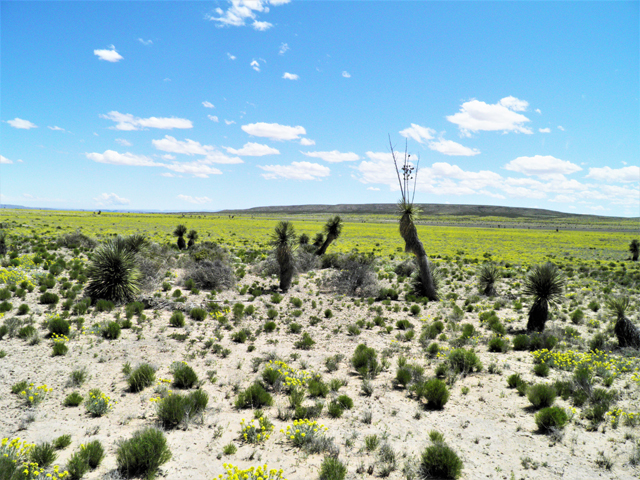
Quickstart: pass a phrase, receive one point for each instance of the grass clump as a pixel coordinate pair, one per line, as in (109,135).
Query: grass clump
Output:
(143,453)
(332,469)
(305,343)
(198,314)
(62,442)
(183,375)
(111,331)
(254,396)
(434,391)
(541,395)
(439,461)
(73,399)
(464,361)
(58,326)
(550,419)
(175,408)
(177,319)
(365,361)
(141,378)
(44,454)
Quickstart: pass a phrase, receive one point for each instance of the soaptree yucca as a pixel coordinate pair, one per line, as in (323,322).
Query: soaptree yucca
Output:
(180,232)
(545,283)
(408,213)
(488,274)
(333,229)
(628,334)
(113,274)
(283,239)
(192,236)
(634,248)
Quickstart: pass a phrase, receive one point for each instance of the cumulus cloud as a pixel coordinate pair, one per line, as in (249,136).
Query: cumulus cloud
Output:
(255,65)
(333,156)
(544,130)
(168,156)
(261,26)
(22,124)
(109,55)
(538,111)
(242,11)
(608,174)
(208,105)
(213,118)
(561,128)
(346,74)
(274,131)
(169,175)
(283,49)
(126,121)
(145,42)
(449,147)
(563,199)
(196,200)
(198,169)
(231,57)
(418,133)
(541,165)
(5,160)
(374,189)
(295,171)
(56,128)
(307,142)
(290,76)
(115,158)
(123,142)
(253,150)
(229,122)
(475,116)
(107,199)
(191,147)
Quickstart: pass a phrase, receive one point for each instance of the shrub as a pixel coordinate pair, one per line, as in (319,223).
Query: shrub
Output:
(92,453)
(577,317)
(254,396)
(269,326)
(183,375)
(59,347)
(58,326)
(103,305)
(440,461)
(317,388)
(464,361)
(177,319)
(77,466)
(521,342)
(305,343)
(332,469)
(175,408)
(143,453)
(241,335)
(111,331)
(198,314)
(62,442)
(365,361)
(498,344)
(98,404)
(598,342)
(415,310)
(211,274)
(26,332)
(404,324)
(112,273)
(541,395)
(23,309)
(345,401)
(48,298)
(141,378)
(73,400)
(541,369)
(44,454)
(435,391)
(356,276)
(551,418)
(272,313)
(335,409)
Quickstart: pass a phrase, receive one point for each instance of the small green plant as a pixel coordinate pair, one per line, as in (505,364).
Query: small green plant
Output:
(34,395)
(198,314)
(143,453)
(551,418)
(111,331)
(254,396)
(177,319)
(434,391)
(464,361)
(141,378)
(73,399)
(58,326)
(305,343)
(365,361)
(256,433)
(371,442)
(303,432)
(78,377)
(183,375)
(98,404)
(335,409)
(440,461)
(541,369)
(269,326)
(175,408)
(332,469)
(541,395)
(229,449)
(103,305)
(62,442)
(44,454)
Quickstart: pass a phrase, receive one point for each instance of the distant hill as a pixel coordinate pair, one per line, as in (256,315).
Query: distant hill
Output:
(426,209)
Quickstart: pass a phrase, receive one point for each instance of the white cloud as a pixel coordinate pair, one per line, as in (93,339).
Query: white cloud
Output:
(231,57)
(296,171)
(145,42)
(126,121)
(274,131)
(229,122)
(261,26)
(197,169)
(544,130)
(242,11)
(170,175)
(375,189)
(449,147)
(334,156)
(283,49)
(213,117)
(114,158)
(123,142)
(208,105)
(168,156)
(475,116)
(253,150)
(608,174)
(562,199)
(56,129)
(5,160)
(108,55)
(255,65)
(290,76)
(22,124)
(346,74)
(560,127)
(191,147)
(540,165)
(107,199)
(418,133)
(196,200)
(538,111)
(307,142)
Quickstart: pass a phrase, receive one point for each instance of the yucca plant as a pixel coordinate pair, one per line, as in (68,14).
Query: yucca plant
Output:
(333,229)
(192,236)
(180,232)
(545,283)
(283,239)
(488,274)
(634,248)
(628,334)
(318,240)
(408,213)
(113,274)
(136,242)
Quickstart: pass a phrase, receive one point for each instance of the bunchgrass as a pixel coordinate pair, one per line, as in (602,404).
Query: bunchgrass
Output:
(143,453)
(141,378)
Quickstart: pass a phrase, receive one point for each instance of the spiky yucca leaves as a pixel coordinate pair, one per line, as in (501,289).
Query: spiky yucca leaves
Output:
(283,239)
(545,283)
(488,274)
(628,334)
(180,232)
(136,242)
(113,274)
(333,229)
(192,236)
(303,239)
(3,242)
(634,248)
(318,240)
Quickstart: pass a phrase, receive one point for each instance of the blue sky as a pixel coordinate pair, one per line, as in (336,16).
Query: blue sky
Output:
(189,106)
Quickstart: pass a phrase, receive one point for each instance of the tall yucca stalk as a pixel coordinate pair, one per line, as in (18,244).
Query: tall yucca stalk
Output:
(628,334)
(545,283)
(113,274)
(408,213)
(333,229)
(283,239)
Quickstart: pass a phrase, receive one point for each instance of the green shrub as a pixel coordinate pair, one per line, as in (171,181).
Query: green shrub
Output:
(433,349)
(541,395)
(241,335)
(62,442)
(73,400)
(23,309)
(111,331)
(328,313)
(175,408)
(440,461)
(498,344)
(316,387)
(521,342)
(103,305)
(77,467)
(551,418)
(332,469)
(403,376)
(183,375)
(141,378)
(198,314)
(594,306)
(272,313)
(577,317)
(415,310)
(295,327)
(464,361)
(598,342)
(238,310)
(365,361)
(404,324)
(48,298)
(269,326)
(254,396)
(541,369)
(177,319)
(335,409)
(92,453)
(345,401)
(434,391)
(59,349)
(26,332)
(44,454)
(305,343)
(143,453)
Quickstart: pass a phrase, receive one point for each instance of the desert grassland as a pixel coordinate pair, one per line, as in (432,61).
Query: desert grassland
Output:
(157,366)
